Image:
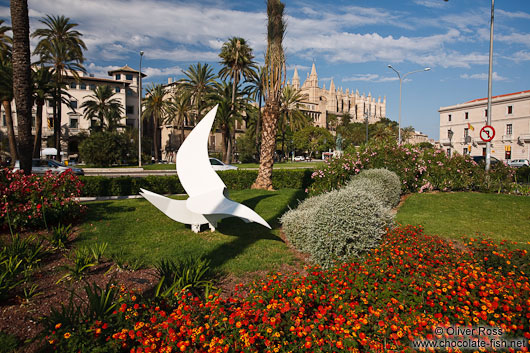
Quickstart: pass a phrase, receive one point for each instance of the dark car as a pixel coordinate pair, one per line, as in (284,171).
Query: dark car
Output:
(482,159)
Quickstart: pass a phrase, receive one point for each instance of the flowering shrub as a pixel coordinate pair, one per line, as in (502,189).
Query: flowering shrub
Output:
(31,201)
(418,169)
(398,293)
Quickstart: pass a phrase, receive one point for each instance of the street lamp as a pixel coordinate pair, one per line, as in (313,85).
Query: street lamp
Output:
(490,113)
(140,112)
(400,84)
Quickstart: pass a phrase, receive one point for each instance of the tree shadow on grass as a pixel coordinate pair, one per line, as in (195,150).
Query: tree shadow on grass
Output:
(104,211)
(246,234)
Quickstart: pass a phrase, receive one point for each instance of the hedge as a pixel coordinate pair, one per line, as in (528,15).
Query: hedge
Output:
(233,179)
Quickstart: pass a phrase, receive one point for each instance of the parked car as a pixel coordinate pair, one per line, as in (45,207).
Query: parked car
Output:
(482,159)
(218,165)
(299,158)
(519,163)
(41,166)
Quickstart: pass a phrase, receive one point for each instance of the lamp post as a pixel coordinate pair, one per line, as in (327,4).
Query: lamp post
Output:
(400,85)
(488,117)
(140,112)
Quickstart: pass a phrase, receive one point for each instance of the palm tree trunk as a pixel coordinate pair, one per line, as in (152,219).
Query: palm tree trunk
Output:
(38,131)
(268,146)
(181,131)
(226,144)
(10,132)
(57,124)
(22,80)
(155,137)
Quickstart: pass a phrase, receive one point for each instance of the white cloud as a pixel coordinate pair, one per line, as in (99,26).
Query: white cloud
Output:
(520,38)
(483,76)
(369,78)
(166,71)
(518,14)
(437,4)
(519,56)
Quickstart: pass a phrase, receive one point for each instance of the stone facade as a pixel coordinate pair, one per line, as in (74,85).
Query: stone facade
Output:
(123,81)
(322,101)
(460,126)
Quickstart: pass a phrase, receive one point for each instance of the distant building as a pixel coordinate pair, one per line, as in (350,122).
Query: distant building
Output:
(170,133)
(123,81)
(418,137)
(322,101)
(460,126)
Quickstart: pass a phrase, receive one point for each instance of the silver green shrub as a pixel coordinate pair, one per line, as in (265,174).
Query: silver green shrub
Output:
(335,228)
(389,190)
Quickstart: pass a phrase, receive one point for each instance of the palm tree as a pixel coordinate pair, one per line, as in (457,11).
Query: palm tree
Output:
(61,47)
(5,40)
(42,89)
(182,109)
(100,105)
(228,113)
(6,96)
(290,114)
(22,80)
(274,79)
(256,87)
(158,108)
(237,61)
(199,82)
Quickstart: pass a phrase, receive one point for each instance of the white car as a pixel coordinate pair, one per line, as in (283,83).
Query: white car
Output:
(518,163)
(218,165)
(299,158)
(41,166)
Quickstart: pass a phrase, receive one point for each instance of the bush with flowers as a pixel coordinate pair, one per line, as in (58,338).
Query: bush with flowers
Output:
(397,294)
(419,169)
(33,201)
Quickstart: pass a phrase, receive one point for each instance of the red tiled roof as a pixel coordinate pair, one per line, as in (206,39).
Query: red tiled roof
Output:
(501,95)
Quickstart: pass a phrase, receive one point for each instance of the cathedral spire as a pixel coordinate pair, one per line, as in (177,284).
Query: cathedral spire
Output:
(296,79)
(331,87)
(313,71)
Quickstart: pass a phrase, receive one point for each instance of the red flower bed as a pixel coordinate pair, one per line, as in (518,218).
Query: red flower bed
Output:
(29,201)
(397,294)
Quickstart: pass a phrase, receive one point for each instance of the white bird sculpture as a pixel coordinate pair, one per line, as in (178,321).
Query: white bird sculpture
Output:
(208,200)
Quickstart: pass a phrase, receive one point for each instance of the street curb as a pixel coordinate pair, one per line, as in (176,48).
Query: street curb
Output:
(108,198)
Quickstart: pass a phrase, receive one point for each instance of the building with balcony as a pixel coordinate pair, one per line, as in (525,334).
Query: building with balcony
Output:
(124,83)
(460,126)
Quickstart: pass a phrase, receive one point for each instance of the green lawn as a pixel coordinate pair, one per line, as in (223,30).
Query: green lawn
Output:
(453,215)
(312,165)
(142,231)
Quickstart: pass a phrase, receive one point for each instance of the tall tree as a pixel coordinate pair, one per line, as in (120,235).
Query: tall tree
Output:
(237,60)
(291,117)
(61,47)
(228,113)
(22,80)
(157,107)
(101,106)
(182,108)
(274,79)
(6,88)
(199,81)
(256,86)
(42,90)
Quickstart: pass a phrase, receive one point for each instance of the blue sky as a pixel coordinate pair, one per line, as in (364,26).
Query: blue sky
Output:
(351,42)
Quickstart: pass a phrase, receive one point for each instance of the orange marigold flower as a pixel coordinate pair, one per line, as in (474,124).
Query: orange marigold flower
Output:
(67,335)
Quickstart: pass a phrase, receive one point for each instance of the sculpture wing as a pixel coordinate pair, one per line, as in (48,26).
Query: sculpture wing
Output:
(215,203)
(193,164)
(174,209)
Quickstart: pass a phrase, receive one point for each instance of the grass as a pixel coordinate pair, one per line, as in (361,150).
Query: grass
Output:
(453,215)
(142,231)
(308,165)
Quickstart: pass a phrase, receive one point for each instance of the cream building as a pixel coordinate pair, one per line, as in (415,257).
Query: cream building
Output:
(123,81)
(322,101)
(460,126)
(170,133)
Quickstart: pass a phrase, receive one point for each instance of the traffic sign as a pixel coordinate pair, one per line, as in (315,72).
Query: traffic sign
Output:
(487,133)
